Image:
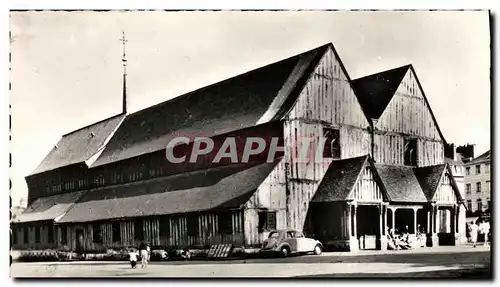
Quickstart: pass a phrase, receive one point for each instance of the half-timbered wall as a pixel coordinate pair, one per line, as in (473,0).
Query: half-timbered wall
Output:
(407,116)
(208,233)
(366,189)
(327,100)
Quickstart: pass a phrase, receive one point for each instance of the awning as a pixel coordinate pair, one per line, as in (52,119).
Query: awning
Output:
(222,187)
(49,208)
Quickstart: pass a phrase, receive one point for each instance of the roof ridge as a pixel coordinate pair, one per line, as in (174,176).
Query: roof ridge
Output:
(407,66)
(106,119)
(228,79)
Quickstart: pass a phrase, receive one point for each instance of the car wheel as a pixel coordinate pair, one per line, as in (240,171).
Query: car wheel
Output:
(317,250)
(285,251)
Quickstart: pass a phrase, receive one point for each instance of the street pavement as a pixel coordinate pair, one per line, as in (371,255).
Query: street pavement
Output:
(439,262)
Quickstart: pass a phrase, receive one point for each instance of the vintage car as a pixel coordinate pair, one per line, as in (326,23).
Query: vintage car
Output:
(286,242)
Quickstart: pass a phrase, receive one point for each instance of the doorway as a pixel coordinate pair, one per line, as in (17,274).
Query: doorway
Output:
(79,241)
(368,227)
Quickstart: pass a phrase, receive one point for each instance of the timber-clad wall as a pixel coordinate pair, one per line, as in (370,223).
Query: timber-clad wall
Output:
(445,192)
(23,244)
(366,189)
(177,235)
(326,101)
(407,116)
(271,196)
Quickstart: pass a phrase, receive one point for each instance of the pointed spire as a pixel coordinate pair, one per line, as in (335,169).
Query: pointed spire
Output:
(124,62)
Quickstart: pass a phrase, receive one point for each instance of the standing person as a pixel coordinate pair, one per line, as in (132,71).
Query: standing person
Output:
(144,255)
(133,258)
(473,233)
(148,249)
(484,227)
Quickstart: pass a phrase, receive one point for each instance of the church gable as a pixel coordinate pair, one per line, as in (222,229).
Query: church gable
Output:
(367,188)
(409,112)
(328,96)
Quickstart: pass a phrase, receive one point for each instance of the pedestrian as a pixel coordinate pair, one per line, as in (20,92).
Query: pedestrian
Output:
(148,249)
(484,228)
(144,255)
(133,258)
(473,233)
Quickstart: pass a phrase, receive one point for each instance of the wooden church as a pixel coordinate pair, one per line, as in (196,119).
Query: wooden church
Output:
(109,185)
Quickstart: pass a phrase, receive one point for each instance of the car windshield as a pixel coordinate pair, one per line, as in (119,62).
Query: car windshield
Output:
(274,234)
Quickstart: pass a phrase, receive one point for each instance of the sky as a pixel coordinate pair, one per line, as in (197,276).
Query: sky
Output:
(66,68)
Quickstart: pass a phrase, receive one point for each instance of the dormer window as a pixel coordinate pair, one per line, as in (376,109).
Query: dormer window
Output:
(410,157)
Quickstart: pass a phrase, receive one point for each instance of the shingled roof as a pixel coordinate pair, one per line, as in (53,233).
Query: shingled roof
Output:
(429,178)
(222,187)
(375,91)
(79,145)
(258,96)
(49,208)
(339,179)
(401,183)
(485,157)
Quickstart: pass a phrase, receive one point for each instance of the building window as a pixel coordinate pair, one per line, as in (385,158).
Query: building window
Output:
(489,204)
(116,234)
(26,234)
(96,233)
(469,205)
(165,226)
(479,204)
(64,235)
(488,185)
(332,143)
(50,233)
(225,222)
(487,168)
(14,235)
(267,221)
(467,171)
(478,187)
(468,188)
(37,234)
(410,152)
(478,169)
(192,225)
(138,229)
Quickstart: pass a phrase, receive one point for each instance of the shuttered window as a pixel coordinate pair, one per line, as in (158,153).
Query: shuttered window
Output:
(332,143)
(267,221)
(410,156)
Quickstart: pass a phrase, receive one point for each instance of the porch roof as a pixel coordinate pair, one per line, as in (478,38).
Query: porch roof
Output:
(48,208)
(401,183)
(222,187)
(339,179)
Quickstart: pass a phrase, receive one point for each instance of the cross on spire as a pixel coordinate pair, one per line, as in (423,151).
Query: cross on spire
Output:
(124,61)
